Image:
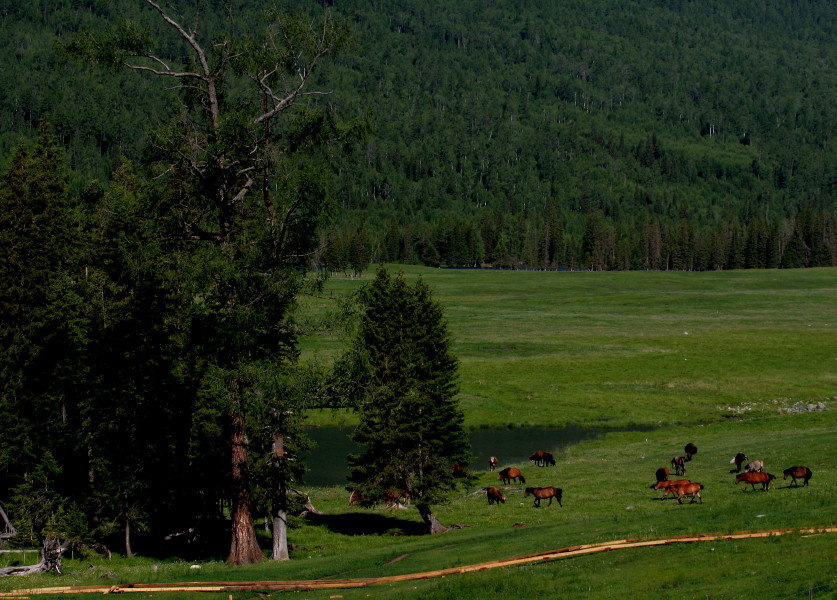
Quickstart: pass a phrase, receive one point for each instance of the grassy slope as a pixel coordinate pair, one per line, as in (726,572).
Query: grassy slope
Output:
(579,347)
(547,348)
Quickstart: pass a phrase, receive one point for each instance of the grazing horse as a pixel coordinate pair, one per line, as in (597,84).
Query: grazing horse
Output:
(687,489)
(542,493)
(494,496)
(543,458)
(661,474)
(678,463)
(738,460)
(690,450)
(751,478)
(798,473)
(754,466)
(509,473)
(492,463)
(668,485)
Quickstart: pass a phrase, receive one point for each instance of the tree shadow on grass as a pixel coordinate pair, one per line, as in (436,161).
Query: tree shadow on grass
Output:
(358,523)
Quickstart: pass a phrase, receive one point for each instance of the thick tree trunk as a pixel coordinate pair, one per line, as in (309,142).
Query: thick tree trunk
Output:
(244,546)
(430,520)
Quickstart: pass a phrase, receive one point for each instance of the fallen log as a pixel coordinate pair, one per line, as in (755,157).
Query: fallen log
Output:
(51,553)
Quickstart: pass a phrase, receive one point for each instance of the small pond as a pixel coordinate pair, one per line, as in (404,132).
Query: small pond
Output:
(327,464)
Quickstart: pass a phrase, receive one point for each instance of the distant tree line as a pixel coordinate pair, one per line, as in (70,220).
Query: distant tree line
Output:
(807,239)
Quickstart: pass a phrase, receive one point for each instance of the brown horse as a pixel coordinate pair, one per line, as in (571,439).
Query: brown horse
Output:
(687,489)
(798,473)
(751,478)
(542,493)
(543,458)
(668,484)
(678,463)
(492,463)
(690,450)
(494,495)
(661,474)
(509,473)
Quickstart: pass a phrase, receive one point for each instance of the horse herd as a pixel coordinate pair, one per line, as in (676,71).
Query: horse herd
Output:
(753,475)
(509,474)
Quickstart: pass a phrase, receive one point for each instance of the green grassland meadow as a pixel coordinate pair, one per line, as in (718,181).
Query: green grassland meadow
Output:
(730,361)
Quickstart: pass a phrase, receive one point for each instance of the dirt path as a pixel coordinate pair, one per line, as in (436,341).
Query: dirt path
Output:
(322,584)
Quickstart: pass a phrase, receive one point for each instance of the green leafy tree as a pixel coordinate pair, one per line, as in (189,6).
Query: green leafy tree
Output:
(243,203)
(411,427)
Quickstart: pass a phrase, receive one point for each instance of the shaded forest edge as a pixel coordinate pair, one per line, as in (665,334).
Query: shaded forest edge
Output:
(596,135)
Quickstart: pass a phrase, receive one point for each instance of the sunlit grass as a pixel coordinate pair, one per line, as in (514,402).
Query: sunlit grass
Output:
(552,348)
(716,359)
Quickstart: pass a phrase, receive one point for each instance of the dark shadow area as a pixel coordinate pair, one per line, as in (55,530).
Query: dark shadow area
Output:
(206,539)
(367,524)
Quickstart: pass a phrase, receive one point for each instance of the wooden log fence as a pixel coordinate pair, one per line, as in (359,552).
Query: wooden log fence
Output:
(324,584)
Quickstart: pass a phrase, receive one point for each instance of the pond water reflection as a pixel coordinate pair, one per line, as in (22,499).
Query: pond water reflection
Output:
(327,464)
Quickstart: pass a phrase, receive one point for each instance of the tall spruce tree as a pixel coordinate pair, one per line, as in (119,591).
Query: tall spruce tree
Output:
(40,331)
(411,427)
(245,195)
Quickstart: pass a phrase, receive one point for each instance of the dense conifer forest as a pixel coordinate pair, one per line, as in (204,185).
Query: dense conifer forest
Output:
(595,134)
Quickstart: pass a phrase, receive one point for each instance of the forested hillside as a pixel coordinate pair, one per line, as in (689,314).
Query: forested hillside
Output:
(594,134)
(172,173)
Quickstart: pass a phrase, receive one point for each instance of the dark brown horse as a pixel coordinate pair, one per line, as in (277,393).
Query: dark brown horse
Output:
(494,495)
(738,460)
(509,473)
(751,478)
(661,474)
(678,463)
(798,473)
(543,458)
(690,450)
(542,493)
